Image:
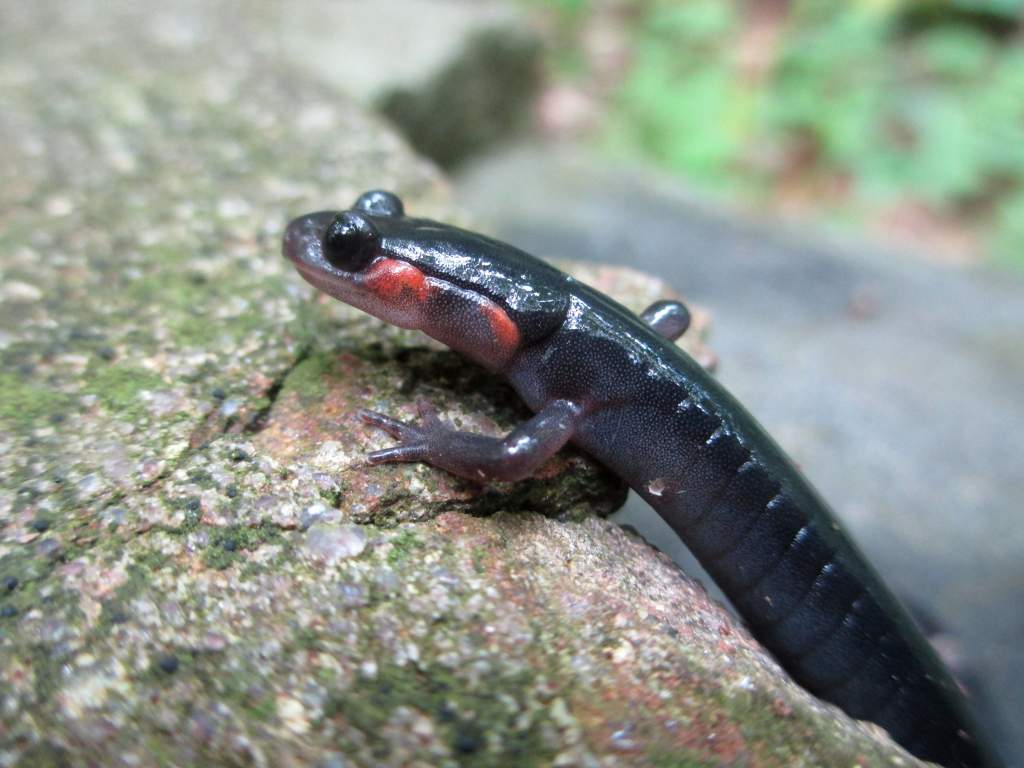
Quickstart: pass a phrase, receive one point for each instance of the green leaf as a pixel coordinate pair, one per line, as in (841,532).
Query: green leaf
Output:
(955,51)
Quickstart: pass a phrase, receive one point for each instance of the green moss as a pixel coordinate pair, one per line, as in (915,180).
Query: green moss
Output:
(23,403)
(191,522)
(202,478)
(45,755)
(46,670)
(479,560)
(140,574)
(260,708)
(250,570)
(160,751)
(33,573)
(326,676)
(478,728)
(149,560)
(402,546)
(680,759)
(227,544)
(308,378)
(196,330)
(118,387)
(804,738)
(234,687)
(307,638)
(186,298)
(217,557)
(192,509)
(333,496)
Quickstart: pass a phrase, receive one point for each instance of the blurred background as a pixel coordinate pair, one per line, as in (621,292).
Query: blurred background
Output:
(840,184)
(898,118)
(902,117)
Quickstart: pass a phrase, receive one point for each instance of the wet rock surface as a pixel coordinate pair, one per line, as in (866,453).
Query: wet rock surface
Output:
(196,564)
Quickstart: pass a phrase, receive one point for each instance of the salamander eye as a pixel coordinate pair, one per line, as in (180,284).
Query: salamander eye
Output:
(380,203)
(350,241)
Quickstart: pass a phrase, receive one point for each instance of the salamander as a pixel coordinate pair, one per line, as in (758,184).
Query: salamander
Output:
(616,385)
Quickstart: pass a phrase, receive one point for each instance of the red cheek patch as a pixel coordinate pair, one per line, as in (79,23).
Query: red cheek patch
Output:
(392,280)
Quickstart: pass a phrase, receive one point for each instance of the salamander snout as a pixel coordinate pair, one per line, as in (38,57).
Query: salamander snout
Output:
(303,237)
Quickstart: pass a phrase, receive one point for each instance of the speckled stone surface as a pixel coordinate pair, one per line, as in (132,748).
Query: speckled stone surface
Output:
(196,565)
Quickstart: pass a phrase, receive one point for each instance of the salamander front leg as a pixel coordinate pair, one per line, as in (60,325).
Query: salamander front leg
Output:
(477,457)
(667,318)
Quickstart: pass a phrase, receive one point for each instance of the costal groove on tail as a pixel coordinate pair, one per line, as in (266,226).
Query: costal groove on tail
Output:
(806,597)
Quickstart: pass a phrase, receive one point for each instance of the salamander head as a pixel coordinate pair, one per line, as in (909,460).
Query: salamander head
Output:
(474,294)
(343,254)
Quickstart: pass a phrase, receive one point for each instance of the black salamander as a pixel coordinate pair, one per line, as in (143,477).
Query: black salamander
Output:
(617,386)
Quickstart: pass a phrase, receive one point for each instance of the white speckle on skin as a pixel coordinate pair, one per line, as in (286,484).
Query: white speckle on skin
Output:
(656,487)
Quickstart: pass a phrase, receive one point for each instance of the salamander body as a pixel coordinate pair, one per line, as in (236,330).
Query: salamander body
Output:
(616,385)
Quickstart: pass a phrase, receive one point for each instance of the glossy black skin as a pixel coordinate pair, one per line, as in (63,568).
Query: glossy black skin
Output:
(599,376)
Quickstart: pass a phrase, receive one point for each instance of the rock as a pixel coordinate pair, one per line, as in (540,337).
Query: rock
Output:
(330,544)
(453,77)
(151,158)
(483,98)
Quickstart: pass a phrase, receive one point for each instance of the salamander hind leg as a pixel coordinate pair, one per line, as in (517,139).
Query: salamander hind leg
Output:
(667,318)
(477,457)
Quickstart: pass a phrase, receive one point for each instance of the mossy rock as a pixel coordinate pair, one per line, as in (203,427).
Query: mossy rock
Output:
(196,564)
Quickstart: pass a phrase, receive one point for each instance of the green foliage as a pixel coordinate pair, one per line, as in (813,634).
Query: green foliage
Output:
(564,12)
(1010,229)
(1010,9)
(682,103)
(903,100)
(570,7)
